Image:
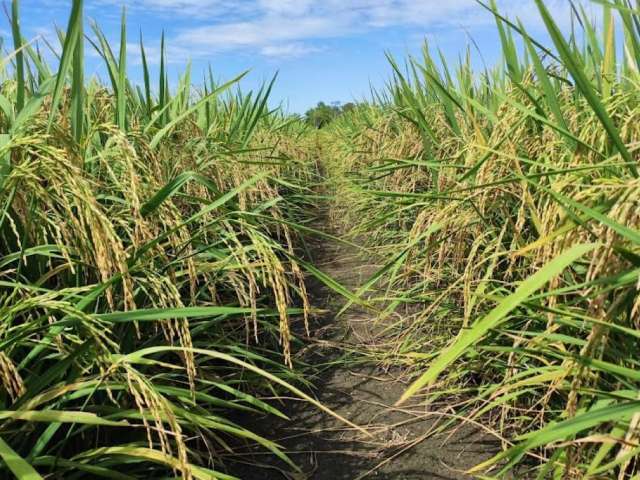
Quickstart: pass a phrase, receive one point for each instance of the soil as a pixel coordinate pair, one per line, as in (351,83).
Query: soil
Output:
(401,445)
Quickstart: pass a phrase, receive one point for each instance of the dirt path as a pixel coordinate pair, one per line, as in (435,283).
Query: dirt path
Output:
(400,446)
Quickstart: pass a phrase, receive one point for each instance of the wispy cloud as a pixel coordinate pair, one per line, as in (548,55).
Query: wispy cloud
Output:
(289,50)
(186,8)
(263,32)
(290,28)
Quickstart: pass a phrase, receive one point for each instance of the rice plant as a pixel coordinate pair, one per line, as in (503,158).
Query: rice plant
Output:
(505,203)
(149,272)
(152,239)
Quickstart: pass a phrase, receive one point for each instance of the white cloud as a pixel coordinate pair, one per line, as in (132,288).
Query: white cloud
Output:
(262,32)
(286,28)
(288,50)
(286,7)
(197,9)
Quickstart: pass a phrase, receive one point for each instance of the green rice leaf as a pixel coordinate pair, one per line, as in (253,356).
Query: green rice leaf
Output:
(16,464)
(469,337)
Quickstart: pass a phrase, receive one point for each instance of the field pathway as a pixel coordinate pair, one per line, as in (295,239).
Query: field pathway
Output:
(401,446)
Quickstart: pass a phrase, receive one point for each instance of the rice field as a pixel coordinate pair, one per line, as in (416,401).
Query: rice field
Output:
(155,269)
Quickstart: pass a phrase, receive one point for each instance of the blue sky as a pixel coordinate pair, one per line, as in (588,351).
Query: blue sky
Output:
(329,50)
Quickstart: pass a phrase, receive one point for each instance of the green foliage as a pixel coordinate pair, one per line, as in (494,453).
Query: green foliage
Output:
(148,251)
(505,208)
(322,114)
(148,269)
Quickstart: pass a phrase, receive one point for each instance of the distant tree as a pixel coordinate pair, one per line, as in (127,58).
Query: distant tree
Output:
(347,107)
(323,114)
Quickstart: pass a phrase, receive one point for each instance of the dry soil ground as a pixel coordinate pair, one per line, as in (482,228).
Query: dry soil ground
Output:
(400,446)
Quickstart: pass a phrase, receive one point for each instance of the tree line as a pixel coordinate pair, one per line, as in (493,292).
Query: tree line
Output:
(323,114)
